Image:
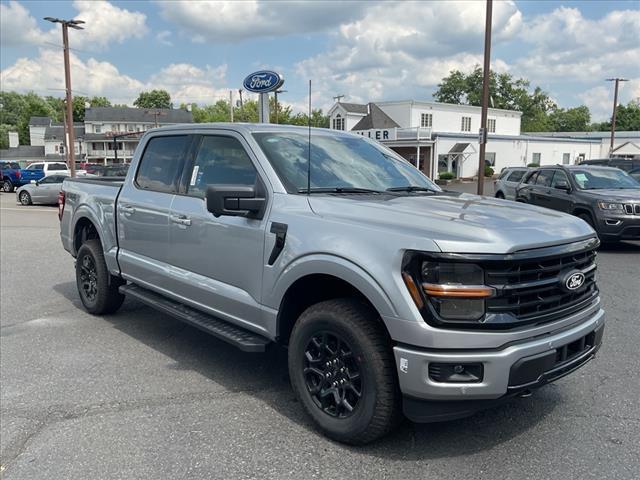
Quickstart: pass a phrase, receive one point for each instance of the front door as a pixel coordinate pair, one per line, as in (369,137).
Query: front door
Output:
(218,262)
(560,199)
(143,210)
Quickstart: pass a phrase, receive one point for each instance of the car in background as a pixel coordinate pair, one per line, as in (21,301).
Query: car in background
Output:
(626,164)
(39,170)
(606,198)
(10,176)
(113,170)
(505,185)
(635,173)
(44,191)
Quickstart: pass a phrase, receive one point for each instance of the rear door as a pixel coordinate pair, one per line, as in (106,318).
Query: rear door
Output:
(47,191)
(143,210)
(218,262)
(511,182)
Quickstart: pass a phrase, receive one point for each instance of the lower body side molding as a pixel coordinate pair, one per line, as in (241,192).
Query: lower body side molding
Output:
(237,336)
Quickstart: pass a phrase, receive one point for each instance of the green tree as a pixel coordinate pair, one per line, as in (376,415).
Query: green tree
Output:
(153,99)
(247,113)
(627,118)
(96,101)
(576,119)
(4,134)
(217,112)
(12,108)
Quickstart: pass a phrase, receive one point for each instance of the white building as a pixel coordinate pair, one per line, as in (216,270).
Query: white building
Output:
(440,137)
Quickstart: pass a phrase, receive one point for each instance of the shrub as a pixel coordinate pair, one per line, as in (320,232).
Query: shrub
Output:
(488,171)
(532,165)
(446,176)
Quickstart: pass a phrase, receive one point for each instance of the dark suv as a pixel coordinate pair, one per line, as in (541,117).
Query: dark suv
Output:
(606,198)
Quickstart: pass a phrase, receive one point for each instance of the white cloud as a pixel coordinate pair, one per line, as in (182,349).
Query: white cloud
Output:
(600,99)
(185,82)
(163,37)
(404,49)
(230,21)
(105,24)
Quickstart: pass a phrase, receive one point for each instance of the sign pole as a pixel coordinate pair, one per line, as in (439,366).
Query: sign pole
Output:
(263,108)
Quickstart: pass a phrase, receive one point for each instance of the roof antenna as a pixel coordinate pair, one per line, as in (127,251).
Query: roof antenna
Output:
(309,155)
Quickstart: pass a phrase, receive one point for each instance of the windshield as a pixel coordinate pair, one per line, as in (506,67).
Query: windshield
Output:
(337,162)
(600,179)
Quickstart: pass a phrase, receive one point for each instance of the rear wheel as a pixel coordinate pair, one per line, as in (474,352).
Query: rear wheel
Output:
(25,198)
(500,195)
(98,289)
(343,371)
(7,186)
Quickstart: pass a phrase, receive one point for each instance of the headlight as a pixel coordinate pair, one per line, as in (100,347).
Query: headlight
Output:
(610,206)
(453,291)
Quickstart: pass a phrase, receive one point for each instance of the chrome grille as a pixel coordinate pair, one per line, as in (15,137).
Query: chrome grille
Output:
(631,209)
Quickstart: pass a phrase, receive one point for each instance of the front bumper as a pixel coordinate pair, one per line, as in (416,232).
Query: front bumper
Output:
(517,367)
(618,227)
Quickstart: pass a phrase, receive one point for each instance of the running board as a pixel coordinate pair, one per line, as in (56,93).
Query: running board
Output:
(237,336)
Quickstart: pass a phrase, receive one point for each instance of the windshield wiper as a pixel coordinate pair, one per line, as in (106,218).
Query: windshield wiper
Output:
(411,188)
(338,190)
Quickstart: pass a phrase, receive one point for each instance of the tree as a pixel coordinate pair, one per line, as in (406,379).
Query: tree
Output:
(154,99)
(627,118)
(217,112)
(576,119)
(505,92)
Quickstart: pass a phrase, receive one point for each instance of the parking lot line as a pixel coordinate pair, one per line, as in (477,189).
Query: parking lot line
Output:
(30,209)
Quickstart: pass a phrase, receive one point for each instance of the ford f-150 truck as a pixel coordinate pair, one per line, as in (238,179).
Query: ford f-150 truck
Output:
(391,295)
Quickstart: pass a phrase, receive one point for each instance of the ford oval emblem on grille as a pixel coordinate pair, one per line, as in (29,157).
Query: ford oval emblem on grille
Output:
(574,280)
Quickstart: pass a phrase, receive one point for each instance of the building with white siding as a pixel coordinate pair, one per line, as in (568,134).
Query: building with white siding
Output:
(440,137)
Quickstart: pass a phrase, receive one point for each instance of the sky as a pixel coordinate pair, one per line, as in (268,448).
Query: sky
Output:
(364,50)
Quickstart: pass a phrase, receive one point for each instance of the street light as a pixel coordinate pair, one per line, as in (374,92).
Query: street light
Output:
(66,24)
(615,109)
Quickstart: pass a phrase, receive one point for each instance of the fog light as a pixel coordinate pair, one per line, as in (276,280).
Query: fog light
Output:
(456,372)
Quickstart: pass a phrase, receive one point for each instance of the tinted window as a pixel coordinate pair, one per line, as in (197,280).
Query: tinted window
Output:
(559,177)
(600,179)
(161,163)
(503,174)
(46,180)
(531,179)
(223,161)
(57,166)
(544,178)
(516,176)
(36,166)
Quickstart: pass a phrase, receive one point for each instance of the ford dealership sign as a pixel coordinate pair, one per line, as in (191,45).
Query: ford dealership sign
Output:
(263,81)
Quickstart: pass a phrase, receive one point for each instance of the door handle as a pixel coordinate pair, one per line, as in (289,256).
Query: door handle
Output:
(180,220)
(127,210)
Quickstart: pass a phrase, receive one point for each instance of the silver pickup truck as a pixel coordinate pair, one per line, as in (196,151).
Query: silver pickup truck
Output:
(391,295)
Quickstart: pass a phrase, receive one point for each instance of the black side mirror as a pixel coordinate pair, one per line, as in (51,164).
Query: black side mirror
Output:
(562,185)
(235,201)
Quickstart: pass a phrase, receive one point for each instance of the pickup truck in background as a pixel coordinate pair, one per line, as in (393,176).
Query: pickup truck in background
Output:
(39,170)
(10,176)
(392,296)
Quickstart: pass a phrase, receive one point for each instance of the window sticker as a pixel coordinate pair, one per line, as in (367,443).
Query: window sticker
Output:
(194,175)
(581,178)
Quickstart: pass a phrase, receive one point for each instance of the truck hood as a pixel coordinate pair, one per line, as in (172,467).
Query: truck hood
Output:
(456,223)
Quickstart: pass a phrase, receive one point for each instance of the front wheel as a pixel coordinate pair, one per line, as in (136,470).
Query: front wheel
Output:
(343,371)
(98,289)
(25,198)
(7,186)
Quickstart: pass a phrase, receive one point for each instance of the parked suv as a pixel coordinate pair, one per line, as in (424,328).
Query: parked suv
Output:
(389,294)
(626,164)
(506,183)
(606,198)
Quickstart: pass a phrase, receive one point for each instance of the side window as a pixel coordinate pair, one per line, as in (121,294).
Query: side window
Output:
(49,179)
(36,166)
(516,176)
(161,163)
(559,177)
(544,178)
(57,166)
(220,160)
(531,179)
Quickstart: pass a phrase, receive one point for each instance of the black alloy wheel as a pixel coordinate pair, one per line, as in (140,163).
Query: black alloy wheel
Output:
(332,375)
(88,278)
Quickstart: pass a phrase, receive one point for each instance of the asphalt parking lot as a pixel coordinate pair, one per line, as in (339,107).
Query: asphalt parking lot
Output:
(140,395)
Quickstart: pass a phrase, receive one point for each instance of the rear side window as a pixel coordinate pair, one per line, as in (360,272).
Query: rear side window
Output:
(222,161)
(544,178)
(57,166)
(161,163)
(503,174)
(516,176)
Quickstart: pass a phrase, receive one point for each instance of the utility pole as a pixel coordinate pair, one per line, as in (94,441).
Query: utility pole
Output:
(67,79)
(337,98)
(485,96)
(155,114)
(231,105)
(241,106)
(615,109)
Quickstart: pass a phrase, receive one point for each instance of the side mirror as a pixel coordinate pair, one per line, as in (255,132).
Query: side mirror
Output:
(235,201)
(563,185)
(35,182)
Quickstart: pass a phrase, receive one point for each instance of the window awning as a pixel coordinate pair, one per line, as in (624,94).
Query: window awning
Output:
(459,148)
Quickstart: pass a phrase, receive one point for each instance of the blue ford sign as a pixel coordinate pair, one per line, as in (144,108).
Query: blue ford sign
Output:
(263,81)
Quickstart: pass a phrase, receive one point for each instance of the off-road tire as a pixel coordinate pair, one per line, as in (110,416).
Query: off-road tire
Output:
(378,410)
(106,299)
